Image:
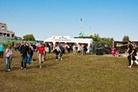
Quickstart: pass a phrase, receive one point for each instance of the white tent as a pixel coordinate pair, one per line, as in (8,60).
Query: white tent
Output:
(67,39)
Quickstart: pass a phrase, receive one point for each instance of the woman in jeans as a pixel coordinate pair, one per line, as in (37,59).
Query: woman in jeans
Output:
(8,56)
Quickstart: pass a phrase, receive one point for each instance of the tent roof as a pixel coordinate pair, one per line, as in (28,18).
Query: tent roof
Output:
(68,40)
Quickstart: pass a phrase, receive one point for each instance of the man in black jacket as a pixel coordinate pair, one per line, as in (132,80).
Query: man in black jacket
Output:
(24,52)
(129,50)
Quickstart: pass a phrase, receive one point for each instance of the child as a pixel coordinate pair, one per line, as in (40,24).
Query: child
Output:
(113,51)
(117,53)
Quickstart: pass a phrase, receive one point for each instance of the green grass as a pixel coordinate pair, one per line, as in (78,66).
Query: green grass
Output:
(75,73)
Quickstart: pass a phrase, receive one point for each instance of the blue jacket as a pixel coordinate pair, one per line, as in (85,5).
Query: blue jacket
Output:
(1,48)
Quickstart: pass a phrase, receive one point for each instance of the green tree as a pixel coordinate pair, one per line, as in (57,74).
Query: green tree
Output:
(101,42)
(29,37)
(95,37)
(94,45)
(17,38)
(107,41)
(125,39)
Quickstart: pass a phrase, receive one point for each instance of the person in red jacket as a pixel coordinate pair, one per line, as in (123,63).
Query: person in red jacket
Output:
(41,52)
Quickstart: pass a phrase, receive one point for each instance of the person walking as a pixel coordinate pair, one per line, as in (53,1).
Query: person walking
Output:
(57,51)
(24,52)
(41,53)
(129,51)
(31,51)
(61,51)
(45,52)
(8,58)
(82,49)
(133,58)
(1,50)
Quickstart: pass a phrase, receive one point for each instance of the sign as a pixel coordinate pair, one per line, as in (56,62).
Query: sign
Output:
(61,37)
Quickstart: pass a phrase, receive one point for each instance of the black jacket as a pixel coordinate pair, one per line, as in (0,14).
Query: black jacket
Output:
(24,50)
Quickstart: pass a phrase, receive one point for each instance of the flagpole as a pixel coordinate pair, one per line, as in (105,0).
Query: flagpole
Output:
(80,24)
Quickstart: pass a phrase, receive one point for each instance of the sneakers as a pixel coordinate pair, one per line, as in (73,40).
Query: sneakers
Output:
(40,66)
(129,66)
(8,70)
(21,68)
(59,59)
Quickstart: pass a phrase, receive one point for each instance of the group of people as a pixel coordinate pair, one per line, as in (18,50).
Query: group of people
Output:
(27,51)
(114,52)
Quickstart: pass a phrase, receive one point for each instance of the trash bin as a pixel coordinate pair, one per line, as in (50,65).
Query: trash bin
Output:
(99,51)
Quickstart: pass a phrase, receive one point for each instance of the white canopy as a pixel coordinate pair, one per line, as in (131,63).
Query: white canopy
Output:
(67,39)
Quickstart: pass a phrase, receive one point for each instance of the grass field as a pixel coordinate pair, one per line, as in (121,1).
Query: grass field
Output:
(75,73)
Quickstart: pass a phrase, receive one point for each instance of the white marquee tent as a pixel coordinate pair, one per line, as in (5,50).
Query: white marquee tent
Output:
(67,39)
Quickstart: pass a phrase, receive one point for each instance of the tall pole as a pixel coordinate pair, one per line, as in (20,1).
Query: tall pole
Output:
(80,27)
(81,24)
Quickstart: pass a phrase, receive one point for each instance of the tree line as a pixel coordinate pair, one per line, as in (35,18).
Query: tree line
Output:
(95,37)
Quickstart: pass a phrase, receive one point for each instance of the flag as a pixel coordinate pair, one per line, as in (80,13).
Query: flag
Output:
(80,34)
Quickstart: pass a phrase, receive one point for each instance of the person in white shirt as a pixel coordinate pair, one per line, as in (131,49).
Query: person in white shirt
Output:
(8,56)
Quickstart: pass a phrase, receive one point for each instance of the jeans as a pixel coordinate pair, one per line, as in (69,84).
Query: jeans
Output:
(8,63)
(83,51)
(31,56)
(61,54)
(56,56)
(23,61)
